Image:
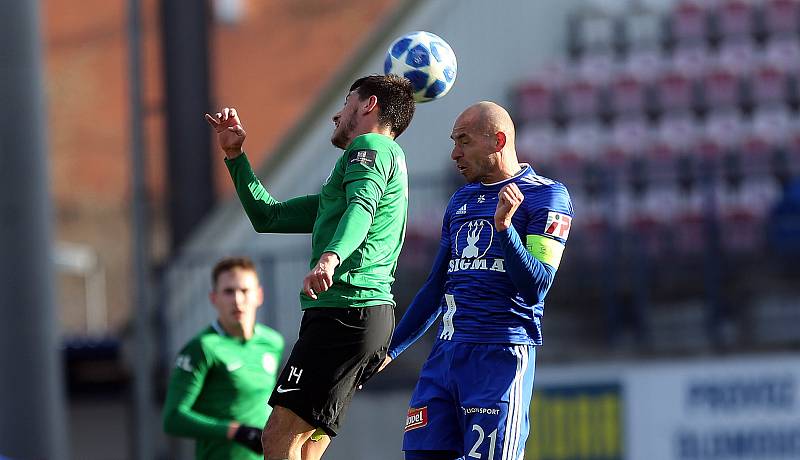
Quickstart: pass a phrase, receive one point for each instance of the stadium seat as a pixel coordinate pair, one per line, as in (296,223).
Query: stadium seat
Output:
(675,135)
(630,137)
(674,92)
(719,88)
(641,30)
(586,140)
(781,18)
(580,99)
(689,227)
(769,86)
(627,95)
(735,20)
(595,31)
(722,133)
(535,100)
(651,216)
(537,143)
(688,24)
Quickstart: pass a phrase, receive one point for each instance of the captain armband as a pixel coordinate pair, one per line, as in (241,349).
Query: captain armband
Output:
(544,249)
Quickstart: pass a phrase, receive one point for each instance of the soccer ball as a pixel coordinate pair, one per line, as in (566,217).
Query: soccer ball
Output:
(426,60)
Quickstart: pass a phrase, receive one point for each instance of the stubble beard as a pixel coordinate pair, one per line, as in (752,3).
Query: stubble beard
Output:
(341,138)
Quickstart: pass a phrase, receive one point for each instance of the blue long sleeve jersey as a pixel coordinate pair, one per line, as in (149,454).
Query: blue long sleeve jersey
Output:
(488,285)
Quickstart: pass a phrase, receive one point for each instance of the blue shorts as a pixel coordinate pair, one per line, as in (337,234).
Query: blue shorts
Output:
(472,399)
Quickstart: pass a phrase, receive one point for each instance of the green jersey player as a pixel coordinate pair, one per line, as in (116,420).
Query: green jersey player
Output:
(223,377)
(357,224)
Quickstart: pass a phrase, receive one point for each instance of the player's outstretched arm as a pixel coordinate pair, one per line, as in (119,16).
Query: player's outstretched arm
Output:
(267,214)
(425,307)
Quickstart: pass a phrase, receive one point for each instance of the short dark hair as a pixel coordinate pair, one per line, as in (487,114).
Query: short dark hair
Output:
(229,263)
(395,99)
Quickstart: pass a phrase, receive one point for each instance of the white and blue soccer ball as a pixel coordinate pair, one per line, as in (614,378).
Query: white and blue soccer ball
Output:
(426,60)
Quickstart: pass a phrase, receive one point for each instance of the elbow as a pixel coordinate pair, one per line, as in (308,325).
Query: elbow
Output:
(170,422)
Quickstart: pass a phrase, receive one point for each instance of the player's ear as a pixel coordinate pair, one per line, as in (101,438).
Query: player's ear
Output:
(499,141)
(212,297)
(259,296)
(370,104)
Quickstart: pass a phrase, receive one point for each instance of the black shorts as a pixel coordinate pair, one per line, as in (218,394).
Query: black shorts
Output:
(337,349)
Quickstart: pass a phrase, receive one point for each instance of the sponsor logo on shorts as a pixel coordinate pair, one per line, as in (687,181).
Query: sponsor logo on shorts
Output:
(417,418)
(280,389)
(480,410)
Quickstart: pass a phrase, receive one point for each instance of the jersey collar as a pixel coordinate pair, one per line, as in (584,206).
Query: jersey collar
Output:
(218,327)
(526,168)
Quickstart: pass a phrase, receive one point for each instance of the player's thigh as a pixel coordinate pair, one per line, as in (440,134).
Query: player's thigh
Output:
(335,348)
(432,422)
(284,432)
(496,387)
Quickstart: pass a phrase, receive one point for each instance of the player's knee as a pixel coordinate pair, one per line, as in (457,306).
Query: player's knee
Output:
(431,455)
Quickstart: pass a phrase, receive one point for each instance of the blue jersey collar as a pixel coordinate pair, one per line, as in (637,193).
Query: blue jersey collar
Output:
(526,169)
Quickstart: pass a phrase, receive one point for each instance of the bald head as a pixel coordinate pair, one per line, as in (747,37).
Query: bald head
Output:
(483,149)
(490,118)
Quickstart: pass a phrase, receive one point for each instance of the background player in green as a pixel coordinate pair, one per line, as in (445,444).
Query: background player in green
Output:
(222,378)
(357,222)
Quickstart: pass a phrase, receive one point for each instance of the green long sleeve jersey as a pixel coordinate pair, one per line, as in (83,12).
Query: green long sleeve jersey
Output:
(218,379)
(360,215)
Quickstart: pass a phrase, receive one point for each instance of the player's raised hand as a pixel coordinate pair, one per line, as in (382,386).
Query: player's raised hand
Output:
(320,278)
(508,200)
(229,129)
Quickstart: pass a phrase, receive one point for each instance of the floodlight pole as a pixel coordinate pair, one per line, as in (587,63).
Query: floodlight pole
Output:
(143,417)
(32,417)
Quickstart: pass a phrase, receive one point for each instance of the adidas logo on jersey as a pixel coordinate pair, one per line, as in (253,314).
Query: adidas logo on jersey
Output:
(462,209)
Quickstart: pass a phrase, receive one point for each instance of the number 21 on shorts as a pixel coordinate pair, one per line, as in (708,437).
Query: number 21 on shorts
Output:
(492,440)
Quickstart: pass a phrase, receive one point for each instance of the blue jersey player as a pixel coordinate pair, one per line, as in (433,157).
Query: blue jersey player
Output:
(502,238)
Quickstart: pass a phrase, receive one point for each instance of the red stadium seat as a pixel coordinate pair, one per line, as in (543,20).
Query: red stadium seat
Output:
(586,140)
(781,18)
(769,85)
(674,91)
(688,23)
(676,135)
(537,143)
(581,99)
(689,225)
(535,100)
(630,137)
(723,132)
(627,95)
(736,21)
(720,89)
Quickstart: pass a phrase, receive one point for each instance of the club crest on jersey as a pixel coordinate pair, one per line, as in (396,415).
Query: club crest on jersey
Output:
(473,241)
(481,198)
(416,418)
(558,225)
(269,363)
